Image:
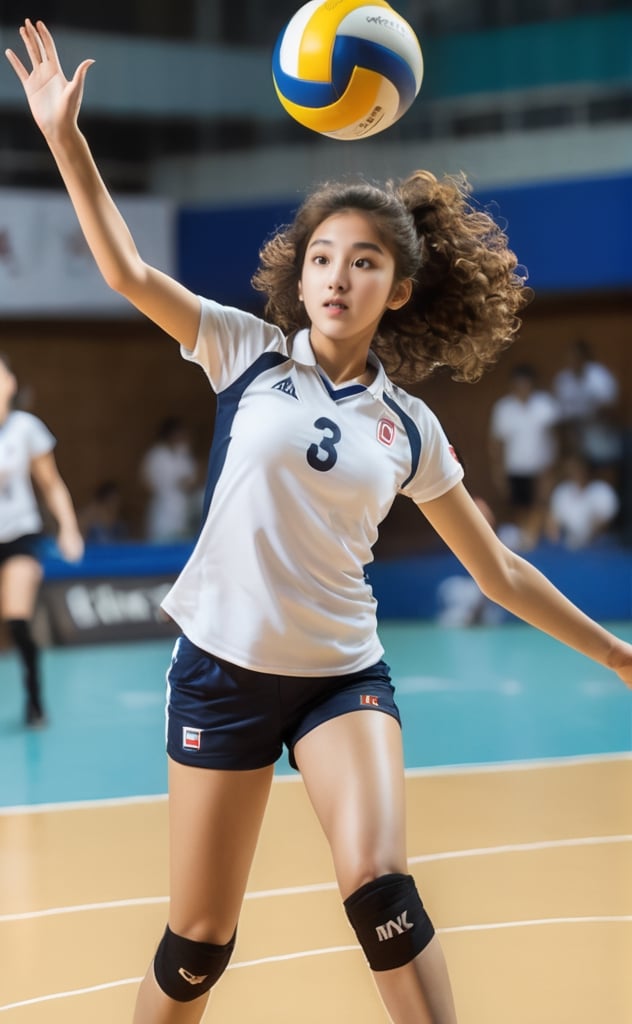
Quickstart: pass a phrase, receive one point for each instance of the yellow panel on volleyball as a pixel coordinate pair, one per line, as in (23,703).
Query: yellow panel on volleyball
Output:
(358,98)
(314,57)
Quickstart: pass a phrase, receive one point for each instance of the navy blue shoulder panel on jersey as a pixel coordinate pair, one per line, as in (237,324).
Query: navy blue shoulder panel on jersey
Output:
(227,405)
(412,432)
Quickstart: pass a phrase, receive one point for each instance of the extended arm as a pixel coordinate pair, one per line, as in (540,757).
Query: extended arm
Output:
(518,586)
(55,103)
(57,499)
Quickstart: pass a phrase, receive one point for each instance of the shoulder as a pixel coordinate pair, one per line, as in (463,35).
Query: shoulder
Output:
(216,318)
(410,405)
(33,430)
(545,402)
(25,422)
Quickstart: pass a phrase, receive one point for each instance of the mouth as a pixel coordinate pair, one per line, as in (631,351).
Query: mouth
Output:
(335,307)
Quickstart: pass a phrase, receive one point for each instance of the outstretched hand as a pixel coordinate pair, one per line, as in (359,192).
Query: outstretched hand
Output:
(54,100)
(621,662)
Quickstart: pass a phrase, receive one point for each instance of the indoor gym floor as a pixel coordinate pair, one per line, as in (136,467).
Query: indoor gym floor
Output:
(520,837)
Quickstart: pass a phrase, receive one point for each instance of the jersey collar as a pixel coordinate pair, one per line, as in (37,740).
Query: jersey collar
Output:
(302,352)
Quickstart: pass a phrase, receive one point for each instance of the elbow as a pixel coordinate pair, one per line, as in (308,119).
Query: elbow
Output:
(124,277)
(499,582)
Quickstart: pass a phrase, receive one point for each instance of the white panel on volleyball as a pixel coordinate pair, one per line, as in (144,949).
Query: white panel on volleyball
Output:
(291,43)
(361,24)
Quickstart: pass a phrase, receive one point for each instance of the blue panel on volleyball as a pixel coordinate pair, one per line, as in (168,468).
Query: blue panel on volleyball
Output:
(348,53)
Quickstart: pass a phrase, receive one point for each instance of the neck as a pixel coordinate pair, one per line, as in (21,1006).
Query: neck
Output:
(344,364)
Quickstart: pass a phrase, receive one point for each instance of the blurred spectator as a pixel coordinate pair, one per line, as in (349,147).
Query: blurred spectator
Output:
(101,520)
(588,392)
(582,508)
(523,446)
(169,472)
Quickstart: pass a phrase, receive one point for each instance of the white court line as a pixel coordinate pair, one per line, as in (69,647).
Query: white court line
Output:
(530,764)
(302,890)
(328,950)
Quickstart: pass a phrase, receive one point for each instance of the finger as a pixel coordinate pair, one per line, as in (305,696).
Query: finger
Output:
(17,65)
(32,43)
(81,72)
(47,41)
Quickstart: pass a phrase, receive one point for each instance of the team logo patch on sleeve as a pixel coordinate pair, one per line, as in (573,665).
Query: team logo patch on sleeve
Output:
(191,738)
(386,431)
(370,700)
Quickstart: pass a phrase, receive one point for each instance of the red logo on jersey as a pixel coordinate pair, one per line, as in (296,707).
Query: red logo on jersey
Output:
(386,432)
(370,699)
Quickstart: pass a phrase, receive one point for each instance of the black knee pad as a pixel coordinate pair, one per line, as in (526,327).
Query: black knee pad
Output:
(185,969)
(389,920)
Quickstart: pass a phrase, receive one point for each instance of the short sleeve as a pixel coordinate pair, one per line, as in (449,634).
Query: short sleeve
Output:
(228,342)
(438,468)
(39,439)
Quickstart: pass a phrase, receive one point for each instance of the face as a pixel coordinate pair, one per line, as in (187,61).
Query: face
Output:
(347,281)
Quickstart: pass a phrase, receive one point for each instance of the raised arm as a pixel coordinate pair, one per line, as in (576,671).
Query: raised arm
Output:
(518,586)
(55,103)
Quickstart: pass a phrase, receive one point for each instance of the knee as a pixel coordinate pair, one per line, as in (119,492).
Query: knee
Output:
(390,920)
(186,969)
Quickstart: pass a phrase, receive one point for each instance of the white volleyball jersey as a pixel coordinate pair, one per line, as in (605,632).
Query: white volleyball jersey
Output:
(301,474)
(23,437)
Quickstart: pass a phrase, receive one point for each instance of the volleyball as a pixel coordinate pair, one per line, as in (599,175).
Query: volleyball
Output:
(347,68)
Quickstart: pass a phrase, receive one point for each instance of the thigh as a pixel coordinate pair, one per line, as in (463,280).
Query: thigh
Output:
(353,769)
(20,578)
(214,822)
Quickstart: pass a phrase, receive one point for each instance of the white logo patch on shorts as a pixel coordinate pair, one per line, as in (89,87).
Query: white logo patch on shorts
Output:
(191,738)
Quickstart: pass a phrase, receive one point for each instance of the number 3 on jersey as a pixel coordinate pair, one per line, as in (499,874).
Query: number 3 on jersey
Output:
(323,456)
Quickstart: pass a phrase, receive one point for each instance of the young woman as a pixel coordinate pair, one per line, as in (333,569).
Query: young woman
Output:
(26,455)
(312,442)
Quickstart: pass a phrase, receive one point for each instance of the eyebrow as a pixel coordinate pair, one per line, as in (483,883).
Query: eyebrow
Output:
(356,245)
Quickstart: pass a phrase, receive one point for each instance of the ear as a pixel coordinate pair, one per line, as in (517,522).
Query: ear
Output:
(400,294)
(300,292)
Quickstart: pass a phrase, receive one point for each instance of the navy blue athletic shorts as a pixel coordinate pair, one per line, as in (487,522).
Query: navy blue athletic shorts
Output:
(223,716)
(29,544)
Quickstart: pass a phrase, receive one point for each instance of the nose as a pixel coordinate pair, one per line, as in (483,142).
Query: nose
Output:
(338,279)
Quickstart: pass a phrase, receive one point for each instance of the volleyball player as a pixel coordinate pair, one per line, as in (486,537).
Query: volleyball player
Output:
(26,455)
(312,442)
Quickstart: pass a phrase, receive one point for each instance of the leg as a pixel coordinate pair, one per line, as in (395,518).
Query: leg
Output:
(364,821)
(20,578)
(214,823)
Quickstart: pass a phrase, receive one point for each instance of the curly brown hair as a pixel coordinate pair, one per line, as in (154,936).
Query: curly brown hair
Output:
(467,286)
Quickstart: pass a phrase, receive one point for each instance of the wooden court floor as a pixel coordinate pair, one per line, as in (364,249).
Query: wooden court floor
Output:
(520,837)
(525,870)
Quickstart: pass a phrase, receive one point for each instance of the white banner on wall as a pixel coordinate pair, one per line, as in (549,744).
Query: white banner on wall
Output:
(46,268)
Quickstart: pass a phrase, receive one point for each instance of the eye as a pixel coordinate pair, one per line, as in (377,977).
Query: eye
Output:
(363,262)
(320,260)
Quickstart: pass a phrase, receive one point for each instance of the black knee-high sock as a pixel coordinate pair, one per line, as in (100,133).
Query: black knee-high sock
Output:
(22,637)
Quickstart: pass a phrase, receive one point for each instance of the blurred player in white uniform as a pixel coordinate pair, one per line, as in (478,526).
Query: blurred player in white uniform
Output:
(26,455)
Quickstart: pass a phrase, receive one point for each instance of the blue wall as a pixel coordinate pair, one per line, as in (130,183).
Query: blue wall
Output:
(599,580)
(571,236)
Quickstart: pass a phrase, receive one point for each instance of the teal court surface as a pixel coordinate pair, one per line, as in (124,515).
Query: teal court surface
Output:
(467,697)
